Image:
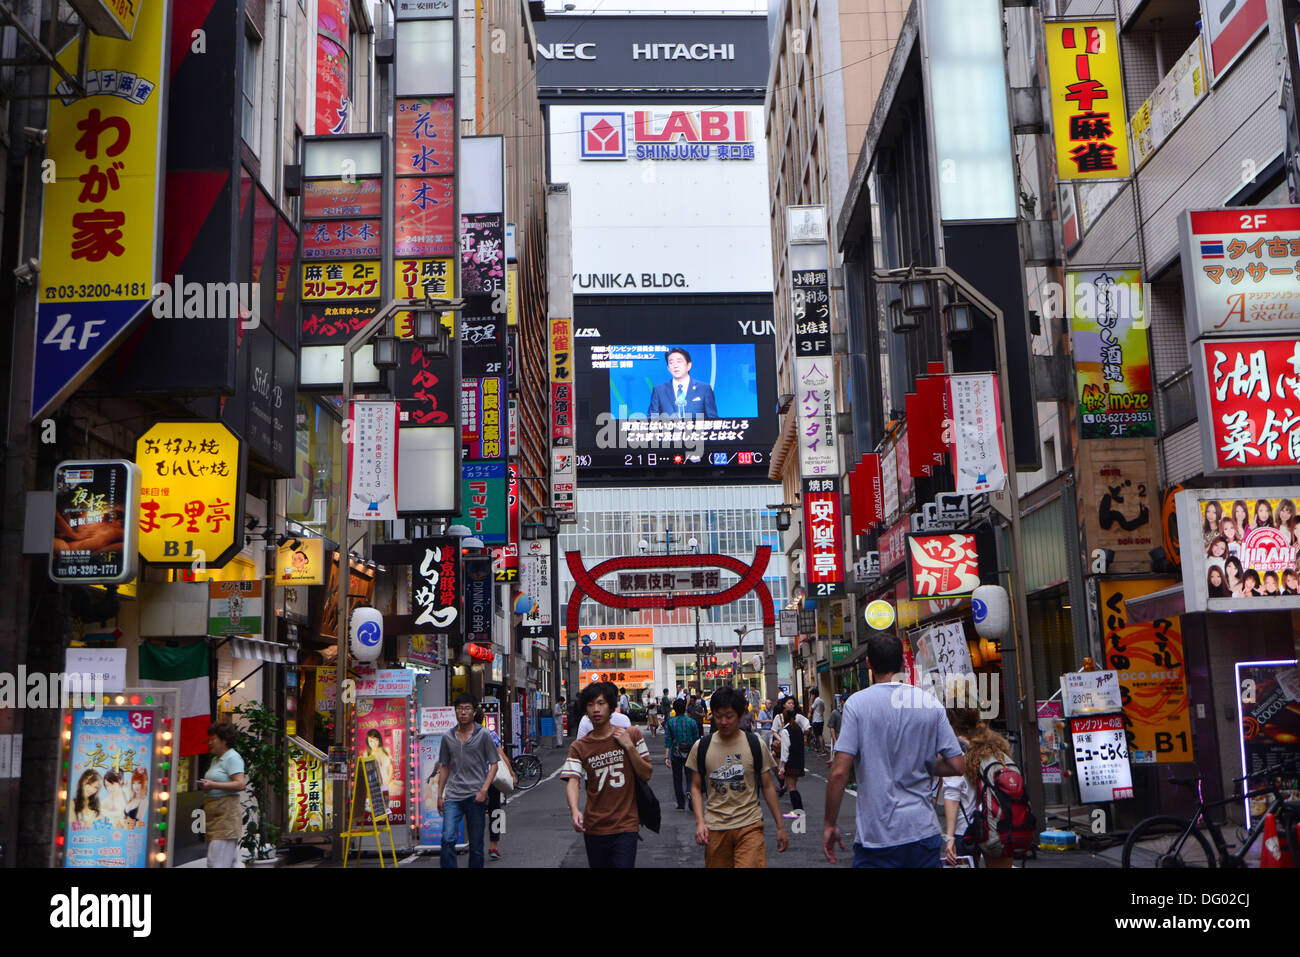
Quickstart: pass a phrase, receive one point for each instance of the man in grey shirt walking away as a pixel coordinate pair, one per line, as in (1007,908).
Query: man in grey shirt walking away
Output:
(468,760)
(896,738)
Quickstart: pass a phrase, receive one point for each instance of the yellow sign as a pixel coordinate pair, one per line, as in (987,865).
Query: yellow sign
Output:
(561,350)
(190,502)
(311,797)
(512,295)
(300,565)
(100,226)
(880,614)
(1088,110)
(417,278)
(351,279)
(111,18)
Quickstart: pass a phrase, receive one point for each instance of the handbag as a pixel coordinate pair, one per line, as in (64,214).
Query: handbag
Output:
(503,780)
(647,805)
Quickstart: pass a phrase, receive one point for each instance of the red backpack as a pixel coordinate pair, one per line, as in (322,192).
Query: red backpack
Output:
(1003,824)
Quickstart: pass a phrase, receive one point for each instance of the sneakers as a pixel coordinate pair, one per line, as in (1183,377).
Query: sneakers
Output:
(791,814)
(494,854)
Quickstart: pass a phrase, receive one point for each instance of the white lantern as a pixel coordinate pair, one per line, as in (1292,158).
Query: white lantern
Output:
(367,641)
(991,607)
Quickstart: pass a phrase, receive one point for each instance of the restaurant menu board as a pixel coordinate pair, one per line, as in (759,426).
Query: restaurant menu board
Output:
(1091,692)
(1101,759)
(1269,705)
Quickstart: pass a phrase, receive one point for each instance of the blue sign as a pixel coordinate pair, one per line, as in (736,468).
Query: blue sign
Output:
(369,634)
(72,339)
(979,609)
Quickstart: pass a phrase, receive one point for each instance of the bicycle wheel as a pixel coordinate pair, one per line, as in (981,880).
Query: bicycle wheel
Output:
(528,769)
(1151,844)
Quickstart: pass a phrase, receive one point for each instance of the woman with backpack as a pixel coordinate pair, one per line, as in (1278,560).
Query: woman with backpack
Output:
(984,749)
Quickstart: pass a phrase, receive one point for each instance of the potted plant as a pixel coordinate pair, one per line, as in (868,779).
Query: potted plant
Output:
(261,748)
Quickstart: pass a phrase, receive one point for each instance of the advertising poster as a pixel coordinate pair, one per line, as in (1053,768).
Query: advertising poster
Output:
(95,539)
(333,67)
(1247,390)
(382,730)
(941,652)
(1101,764)
(109,789)
(1112,365)
(235,608)
(301,564)
(1269,706)
(310,800)
(1152,674)
(1239,550)
(942,565)
(979,462)
(372,466)
(1049,742)
(1088,112)
(535,582)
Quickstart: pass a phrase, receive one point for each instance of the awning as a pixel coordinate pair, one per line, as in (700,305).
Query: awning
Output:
(857,655)
(784,443)
(258,650)
(1165,603)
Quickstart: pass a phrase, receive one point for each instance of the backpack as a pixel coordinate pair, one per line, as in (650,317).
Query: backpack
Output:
(1003,824)
(755,752)
(682,749)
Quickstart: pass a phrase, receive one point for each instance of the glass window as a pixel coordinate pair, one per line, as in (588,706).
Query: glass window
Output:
(251,118)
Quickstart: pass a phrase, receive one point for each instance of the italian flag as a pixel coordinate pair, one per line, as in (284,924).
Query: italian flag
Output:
(185,669)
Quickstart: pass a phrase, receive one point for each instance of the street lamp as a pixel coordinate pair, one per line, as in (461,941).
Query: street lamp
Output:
(782,516)
(1020,666)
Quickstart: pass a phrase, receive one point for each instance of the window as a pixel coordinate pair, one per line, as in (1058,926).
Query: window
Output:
(251,117)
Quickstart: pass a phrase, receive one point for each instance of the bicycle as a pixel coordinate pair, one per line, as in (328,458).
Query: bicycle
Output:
(527,766)
(1165,841)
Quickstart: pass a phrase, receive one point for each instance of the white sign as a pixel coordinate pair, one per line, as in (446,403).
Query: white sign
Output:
(107,665)
(978,460)
(437,720)
(669,581)
(372,467)
(385,682)
(665,198)
(1101,759)
(943,651)
(564,481)
(889,480)
(815,399)
(1180,90)
(535,582)
(1239,270)
(1091,692)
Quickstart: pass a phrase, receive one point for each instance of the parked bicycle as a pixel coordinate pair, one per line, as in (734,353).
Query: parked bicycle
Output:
(1172,842)
(528,766)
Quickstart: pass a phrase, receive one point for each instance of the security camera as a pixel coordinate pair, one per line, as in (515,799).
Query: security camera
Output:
(26,272)
(644,546)
(36,135)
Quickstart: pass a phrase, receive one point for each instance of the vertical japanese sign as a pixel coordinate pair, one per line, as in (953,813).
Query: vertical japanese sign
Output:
(889,478)
(1088,110)
(95,530)
(561,381)
(1247,391)
(1241,271)
(979,462)
(1152,676)
(823,534)
(1101,759)
(478,599)
(535,582)
(436,586)
(1112,364)
(191,493)
(815,397)
(505,559)
(810,297)
(333,66)
(100,229)
(372,463)
(866,495)
(311,801)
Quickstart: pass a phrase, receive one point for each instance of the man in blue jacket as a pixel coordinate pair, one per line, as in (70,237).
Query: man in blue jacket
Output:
(683,397)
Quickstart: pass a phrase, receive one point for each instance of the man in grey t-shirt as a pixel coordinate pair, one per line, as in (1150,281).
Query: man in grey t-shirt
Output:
(468,763)
(896,738)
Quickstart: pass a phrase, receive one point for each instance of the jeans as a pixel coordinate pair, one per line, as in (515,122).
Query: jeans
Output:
(923,853)
(611,850)
(475,815)
(683,795)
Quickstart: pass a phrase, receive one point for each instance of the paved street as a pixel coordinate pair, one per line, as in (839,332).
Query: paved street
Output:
(538,832)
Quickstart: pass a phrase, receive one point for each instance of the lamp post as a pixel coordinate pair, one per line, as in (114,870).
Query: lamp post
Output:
(1019,669)
(374,326)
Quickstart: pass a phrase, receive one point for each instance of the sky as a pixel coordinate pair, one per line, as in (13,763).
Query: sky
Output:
(660,6)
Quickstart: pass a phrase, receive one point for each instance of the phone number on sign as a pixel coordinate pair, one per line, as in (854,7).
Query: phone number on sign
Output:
(96,290)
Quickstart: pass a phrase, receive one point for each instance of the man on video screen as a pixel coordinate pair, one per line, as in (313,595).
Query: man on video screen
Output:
(683,397)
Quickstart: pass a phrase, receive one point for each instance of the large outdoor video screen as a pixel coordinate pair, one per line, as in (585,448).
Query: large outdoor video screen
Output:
(675,389)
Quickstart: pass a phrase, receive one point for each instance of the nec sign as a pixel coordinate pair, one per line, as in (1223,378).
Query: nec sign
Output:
(567,51)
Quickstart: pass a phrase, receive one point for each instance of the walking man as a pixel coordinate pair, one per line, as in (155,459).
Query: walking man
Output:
(680,735)
(818,721)
(731,769)
(897,739)
(463,783)
(605,760)
(833,725)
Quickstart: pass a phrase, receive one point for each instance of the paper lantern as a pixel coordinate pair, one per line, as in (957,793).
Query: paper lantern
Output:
(367,640)
(991,607)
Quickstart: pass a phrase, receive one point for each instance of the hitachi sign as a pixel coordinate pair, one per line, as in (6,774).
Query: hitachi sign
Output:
(567,51)
(683,51)
(713,126)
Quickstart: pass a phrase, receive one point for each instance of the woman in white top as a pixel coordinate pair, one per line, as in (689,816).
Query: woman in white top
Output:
(980,743)
(787,710)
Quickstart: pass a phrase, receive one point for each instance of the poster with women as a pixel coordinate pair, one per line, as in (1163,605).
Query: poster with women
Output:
(382,728)
(1240,548)
(108,793)
(434,723)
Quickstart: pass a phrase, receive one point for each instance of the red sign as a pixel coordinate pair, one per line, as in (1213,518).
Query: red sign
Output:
(424,216)
(925,415)
(893,544)
(480,652)
(341,239)
(505,558)
(562,410)
(942,565)
(1252,389)
(337,197)
(822,522)
(866,495)
(902,461)
(425,137)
